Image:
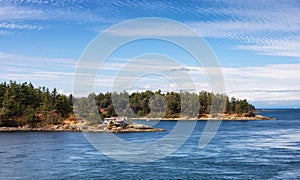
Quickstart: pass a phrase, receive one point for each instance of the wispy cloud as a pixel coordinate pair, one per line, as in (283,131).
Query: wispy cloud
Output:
(271,28)
(261,83)
(17,59)
(265,27)
(31,68)
(76,11)
(156,28)
(30,75)
(12,12)
(262,38)
(21,26)
(5,33)
(271,82)
(274,47)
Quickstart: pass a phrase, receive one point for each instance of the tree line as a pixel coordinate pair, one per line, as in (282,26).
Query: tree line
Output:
(158,104)
(23,104)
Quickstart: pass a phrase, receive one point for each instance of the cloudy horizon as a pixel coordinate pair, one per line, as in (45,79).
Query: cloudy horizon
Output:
(256,43)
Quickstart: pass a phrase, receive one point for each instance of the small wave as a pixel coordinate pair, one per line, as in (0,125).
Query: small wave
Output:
(93,153)
(75,157)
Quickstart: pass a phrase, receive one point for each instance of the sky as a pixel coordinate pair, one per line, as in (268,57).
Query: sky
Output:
(257,44)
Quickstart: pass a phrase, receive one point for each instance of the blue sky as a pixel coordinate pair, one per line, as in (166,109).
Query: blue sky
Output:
(257,43)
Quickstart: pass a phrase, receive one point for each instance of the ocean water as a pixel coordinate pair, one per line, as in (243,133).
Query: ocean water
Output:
(240,150)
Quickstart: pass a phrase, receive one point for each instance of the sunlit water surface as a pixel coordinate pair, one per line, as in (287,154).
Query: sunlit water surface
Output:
(240,149)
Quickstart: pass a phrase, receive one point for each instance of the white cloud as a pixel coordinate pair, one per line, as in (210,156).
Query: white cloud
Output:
(5,33)
(290,48)
(156,28)
(21,26)
(12,12)
(269,28)
(46,10)
(266,27)
(43,70)
(28,74)
(271,82)
(261,83)
(13,59)
(264,38)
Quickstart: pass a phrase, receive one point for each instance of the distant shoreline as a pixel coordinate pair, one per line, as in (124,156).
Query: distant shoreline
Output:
(225,117)
(81,125)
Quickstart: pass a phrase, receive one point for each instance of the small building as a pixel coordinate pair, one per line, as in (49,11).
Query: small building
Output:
(116,121)
(109,120)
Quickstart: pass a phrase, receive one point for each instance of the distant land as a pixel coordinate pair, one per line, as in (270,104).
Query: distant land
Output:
(25,107)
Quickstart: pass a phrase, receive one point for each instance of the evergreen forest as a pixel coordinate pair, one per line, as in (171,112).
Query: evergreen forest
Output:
(23,104)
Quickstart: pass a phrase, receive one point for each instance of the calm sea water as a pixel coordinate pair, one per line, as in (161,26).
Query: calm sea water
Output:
(240,150)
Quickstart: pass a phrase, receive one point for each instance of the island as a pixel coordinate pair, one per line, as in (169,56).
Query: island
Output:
(27,108)
(208,117)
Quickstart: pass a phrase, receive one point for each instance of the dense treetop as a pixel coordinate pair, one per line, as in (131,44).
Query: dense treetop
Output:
(23,104)
(158,104)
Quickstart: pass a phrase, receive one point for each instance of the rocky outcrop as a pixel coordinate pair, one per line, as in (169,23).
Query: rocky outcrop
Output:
(86,128)
(128,128)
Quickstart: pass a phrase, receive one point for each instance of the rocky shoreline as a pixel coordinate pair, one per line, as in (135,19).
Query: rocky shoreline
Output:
(81,125)
(223,117)
(85,128)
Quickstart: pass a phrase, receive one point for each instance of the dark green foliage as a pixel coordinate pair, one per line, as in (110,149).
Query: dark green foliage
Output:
(239,107)
(173,101)
(138,104)
(85,107)
(22,104)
